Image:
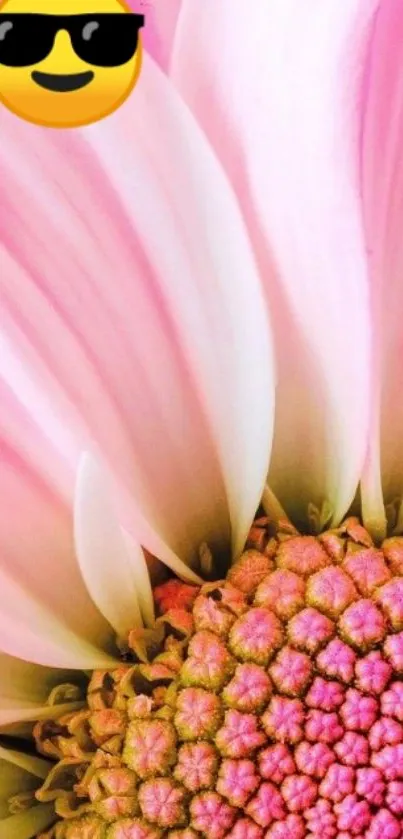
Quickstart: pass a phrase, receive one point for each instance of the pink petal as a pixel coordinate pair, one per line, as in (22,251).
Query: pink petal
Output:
(39,620)
(272,88)
(133,308)
(161,18)
(113,565)
(112,575)
(382,167)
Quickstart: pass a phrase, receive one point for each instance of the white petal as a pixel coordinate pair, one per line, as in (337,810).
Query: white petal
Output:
(39,617)
(25,688)
(30,632)
(381,114)
(102,553)
(273,90)
(170,376)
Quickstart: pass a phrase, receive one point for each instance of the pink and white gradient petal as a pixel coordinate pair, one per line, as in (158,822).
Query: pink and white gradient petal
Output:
(161,20)
(268,85)
(381,113)
(137,332)
(38,565)
(115,573)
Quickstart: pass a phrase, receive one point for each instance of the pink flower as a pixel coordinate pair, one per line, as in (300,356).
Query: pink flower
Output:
(250,193)
(152,381)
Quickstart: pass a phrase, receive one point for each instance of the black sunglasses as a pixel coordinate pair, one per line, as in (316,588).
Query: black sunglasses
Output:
(104,40)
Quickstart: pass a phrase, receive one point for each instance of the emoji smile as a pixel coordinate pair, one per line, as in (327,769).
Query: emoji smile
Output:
(62,82)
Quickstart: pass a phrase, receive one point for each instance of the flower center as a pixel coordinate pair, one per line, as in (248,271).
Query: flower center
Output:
(265,706)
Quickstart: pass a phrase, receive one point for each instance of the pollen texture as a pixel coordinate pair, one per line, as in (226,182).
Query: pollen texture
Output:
(266,706)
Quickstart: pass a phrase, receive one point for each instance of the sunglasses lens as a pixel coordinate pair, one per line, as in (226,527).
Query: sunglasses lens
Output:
(106,40)
(24,39)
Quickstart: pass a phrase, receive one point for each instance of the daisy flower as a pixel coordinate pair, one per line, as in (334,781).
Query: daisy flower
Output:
(201,570)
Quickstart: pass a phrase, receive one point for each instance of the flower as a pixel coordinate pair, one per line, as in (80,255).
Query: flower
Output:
(302,103)
(141,257)
(140,388)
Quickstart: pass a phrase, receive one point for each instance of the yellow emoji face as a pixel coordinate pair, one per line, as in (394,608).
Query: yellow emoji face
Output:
(65,63)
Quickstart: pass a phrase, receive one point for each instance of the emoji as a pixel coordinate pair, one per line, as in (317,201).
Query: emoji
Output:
(66,63)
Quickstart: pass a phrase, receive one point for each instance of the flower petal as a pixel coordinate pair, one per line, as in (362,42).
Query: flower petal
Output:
(160,25)
(31,632)
(25,689)
(144,333)
(27,824)
(110,577)
(39,620)
(113,565)
(273,91)
(382,189)
(20,772)
(36,767)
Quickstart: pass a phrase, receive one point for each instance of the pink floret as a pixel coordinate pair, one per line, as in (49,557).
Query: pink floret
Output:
(197,712)
(291,671)
(392,701)
(359,712)
(393,648)
(370,785)
(256,635)
(390,761)
(239,736)
(352,814)
(373,673)
(331,590)
(302,554)
(266,806)
(363,623)
(283,718)
(161,802)
(338,782)
(390,598)
(249,688)
(309,630)
(320,820)
(245,829)
(323,727)
(196,765)
(368,570)
(337,659)
(299,792)
(353,749)
(283,591)
(237,780)
(345,834)
(394,797)
(276,762)
(208,661)
(314,759)
(290,828)
(383,826)
(126,829)
(325,695)
(385,732)
(211,815)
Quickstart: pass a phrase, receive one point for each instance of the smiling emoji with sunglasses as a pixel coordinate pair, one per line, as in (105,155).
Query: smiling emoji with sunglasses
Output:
(65,63)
